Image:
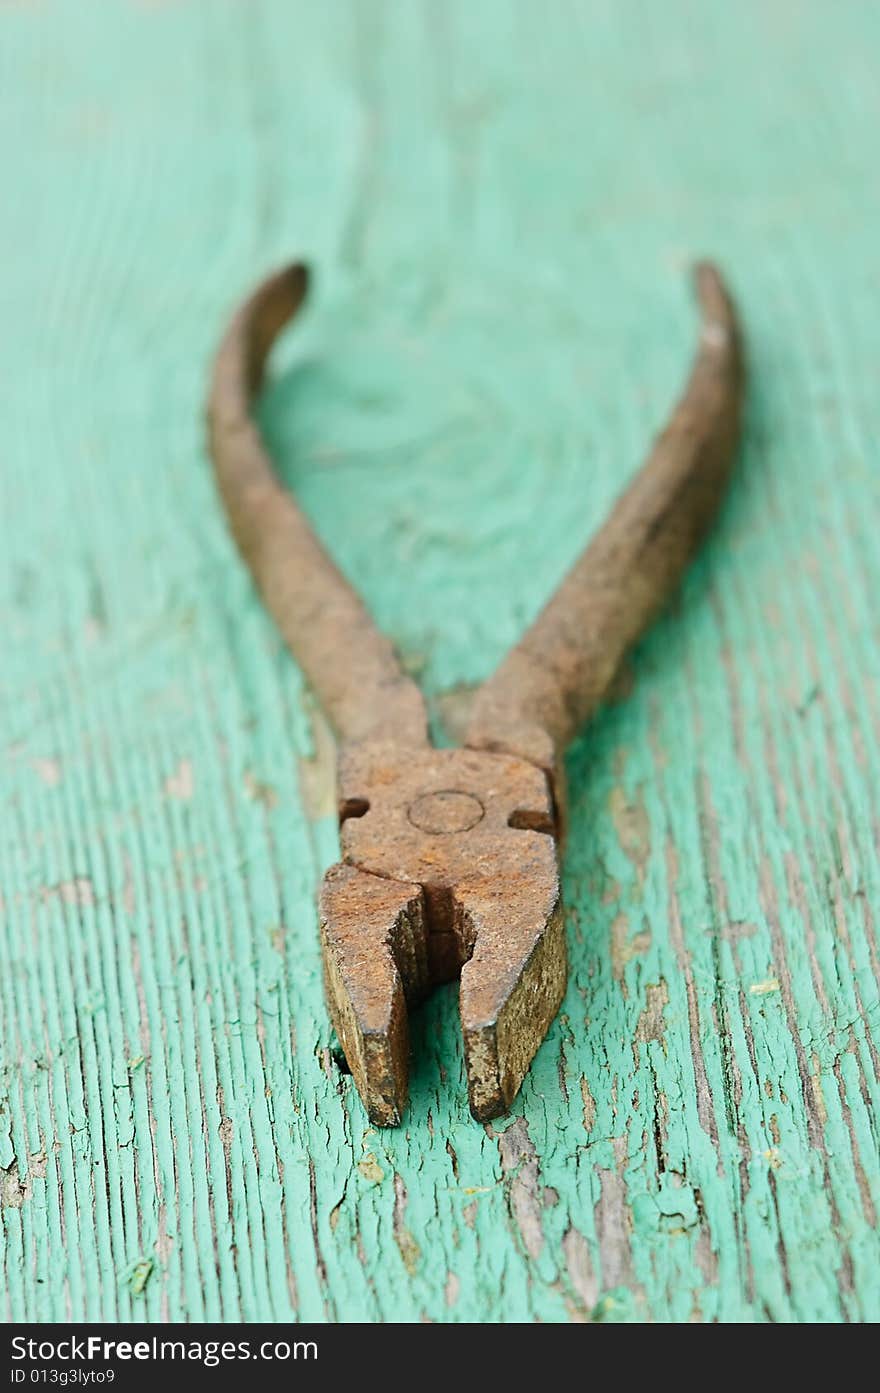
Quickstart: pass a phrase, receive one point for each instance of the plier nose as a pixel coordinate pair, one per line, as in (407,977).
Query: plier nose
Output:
(449,867)
(450,857)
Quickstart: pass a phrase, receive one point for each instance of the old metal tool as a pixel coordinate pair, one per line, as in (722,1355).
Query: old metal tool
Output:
(450,856)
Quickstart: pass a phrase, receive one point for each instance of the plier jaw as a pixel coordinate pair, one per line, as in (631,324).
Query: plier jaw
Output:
(449,867)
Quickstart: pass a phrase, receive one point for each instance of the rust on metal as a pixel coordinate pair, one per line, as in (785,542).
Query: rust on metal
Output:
(556,676)
(351,665)
(450,857)
(465,838)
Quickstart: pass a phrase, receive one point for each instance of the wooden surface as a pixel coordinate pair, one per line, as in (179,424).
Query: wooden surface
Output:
(500,201)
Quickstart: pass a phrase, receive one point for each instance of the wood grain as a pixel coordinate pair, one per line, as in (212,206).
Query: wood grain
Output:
(501,201)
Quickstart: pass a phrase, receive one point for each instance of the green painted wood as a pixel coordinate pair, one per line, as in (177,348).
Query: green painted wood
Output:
(501,201)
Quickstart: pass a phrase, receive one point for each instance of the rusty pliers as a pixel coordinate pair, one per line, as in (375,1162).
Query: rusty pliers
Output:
(450,856)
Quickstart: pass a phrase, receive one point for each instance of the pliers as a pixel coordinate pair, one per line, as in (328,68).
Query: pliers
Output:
(450,857)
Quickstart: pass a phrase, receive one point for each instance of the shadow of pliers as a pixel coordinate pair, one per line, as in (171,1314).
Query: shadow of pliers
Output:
(450,856)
